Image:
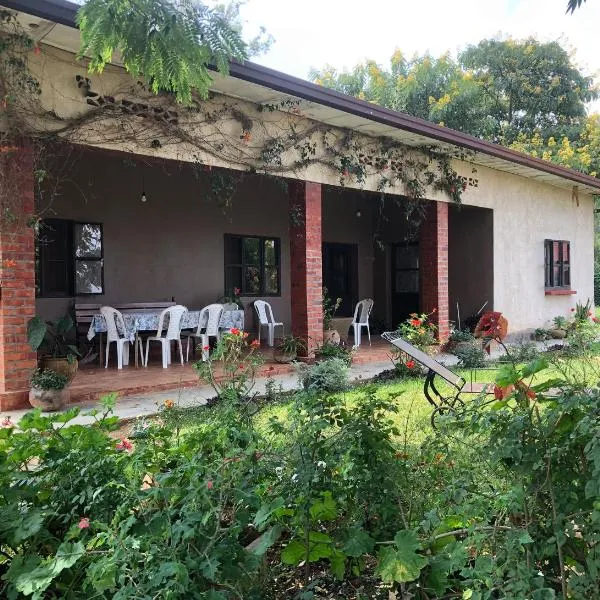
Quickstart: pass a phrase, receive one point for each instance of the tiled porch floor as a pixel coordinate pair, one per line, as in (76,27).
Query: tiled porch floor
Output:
(93,381)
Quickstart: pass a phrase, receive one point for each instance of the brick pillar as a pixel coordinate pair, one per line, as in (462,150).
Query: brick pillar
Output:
(306,261)
(433,250)
(17,286)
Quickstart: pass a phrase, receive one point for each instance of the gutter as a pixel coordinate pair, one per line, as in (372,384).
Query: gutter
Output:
(64,12)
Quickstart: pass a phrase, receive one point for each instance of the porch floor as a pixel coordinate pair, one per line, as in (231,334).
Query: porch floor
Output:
(93,381)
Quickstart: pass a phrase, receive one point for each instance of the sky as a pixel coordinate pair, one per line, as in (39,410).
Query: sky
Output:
(312,33)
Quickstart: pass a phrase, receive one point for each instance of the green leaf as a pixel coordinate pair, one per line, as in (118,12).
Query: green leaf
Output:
(358,542)
(507,375)
(266,540)
(294,553)
(36,332)
(265,511)
(338,564)
(103,575)
(324,510)
(525,538)
(28,526)
(402,564)
(535,366)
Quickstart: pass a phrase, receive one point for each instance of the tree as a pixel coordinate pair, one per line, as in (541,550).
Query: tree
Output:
(573,4)
(528,86)
(170,43)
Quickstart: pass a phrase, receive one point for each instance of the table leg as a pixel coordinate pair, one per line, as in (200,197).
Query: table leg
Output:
(101,349)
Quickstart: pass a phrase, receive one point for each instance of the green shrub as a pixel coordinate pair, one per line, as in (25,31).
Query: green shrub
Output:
(330,350)
(326,376)
(470,356)
(48,379)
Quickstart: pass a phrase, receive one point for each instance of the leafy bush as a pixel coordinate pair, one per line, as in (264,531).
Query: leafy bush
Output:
(330,350)
(418,330)
(48,379)
(470,356)
(522,351)
(326,376)
(460,335)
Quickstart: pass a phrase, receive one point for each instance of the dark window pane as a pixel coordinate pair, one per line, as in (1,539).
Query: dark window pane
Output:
(87,239)
(270,253)
(54,258)
(271,280)
(252,251)
(252,280)
(407,257)
(233,250)
(88,277)
(407,282)
(233,279)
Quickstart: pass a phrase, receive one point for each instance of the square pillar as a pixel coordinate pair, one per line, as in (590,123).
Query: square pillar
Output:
(306,262)
(17,283)
(433,259)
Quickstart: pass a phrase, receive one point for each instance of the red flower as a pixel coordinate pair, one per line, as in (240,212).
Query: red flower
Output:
(530,393)
(410,364)
(596,319)
(234,331)
(84,523)
(209,485)
(590,314)
(6,422)
(236,291)
(206,347)
(124,445)
(415,322)
(255,344)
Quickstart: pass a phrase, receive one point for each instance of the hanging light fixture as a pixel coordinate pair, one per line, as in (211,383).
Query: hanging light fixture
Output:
(143,198)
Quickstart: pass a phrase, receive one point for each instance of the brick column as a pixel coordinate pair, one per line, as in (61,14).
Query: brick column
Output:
(433,250)
(306,261)
(17,285)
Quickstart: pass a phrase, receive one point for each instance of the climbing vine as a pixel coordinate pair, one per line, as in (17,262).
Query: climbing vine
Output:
(274,139)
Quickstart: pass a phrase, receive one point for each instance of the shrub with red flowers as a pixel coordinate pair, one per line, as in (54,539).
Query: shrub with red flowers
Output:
(418,329)
(231,369)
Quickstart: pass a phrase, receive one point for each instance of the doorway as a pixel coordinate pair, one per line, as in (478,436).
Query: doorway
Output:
(405,281)
(340,275)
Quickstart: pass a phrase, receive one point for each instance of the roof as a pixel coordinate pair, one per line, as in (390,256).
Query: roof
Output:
(55,22)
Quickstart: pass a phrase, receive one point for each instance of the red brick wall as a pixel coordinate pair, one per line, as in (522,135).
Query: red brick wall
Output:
(306,261)
(17,300)
(433,245)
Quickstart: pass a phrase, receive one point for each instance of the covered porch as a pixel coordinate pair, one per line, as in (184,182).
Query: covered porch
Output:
(161,230)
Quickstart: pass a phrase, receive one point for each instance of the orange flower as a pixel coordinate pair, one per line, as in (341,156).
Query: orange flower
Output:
(10,264)
(169,403)
(234,331)
(84,523)
(410,364)
(415,322)
(255,344)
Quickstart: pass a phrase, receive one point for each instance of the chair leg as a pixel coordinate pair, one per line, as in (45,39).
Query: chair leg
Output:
(187,352)
(147,350)
(119,354)
(107,351)
(141,348)
(271,335)
(126,353)
(369,333)
(180,351)
(165,353)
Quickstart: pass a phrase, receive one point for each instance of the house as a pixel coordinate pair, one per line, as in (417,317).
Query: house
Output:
(277,187)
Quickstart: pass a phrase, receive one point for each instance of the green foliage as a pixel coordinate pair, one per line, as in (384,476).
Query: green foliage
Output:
(460,335)
(330,350)
(329,308)
(52,338)
(290,344)
(583,312)
(418,330)
(170,43)
(48,380)
(329,375)
(470,356)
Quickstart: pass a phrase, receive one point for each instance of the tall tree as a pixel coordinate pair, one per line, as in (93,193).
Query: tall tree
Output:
(528,85)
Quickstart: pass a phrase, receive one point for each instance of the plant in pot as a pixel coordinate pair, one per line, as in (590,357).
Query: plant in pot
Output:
(49,390)
(288,348)
(541,335)
(58,353)
(330,307)
(419,331)
(459,338)
(559,331)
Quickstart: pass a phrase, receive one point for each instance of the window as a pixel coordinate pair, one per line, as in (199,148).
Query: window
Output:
(70,259)
(557,263)
(252,265)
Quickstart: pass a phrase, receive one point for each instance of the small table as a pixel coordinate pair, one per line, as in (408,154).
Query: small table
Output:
(148,321)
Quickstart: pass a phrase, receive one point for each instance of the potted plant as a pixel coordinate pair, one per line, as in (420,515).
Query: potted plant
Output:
(59,354)
(287,349)
(231,298)
(541,334)
(48,390)
(329,309)
(559,331)
(458,339)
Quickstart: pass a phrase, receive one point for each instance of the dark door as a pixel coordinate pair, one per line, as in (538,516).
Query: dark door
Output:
(405,281)
(340,275)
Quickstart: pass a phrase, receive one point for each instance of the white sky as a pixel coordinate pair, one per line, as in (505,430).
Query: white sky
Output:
(312,33)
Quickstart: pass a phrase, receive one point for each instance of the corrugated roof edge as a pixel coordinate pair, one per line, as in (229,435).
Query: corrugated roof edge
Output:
(63,12)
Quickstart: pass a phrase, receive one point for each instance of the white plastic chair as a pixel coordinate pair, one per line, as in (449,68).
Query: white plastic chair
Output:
(361,319)
(172,334)
(266,319)
(208,326)
(114,322)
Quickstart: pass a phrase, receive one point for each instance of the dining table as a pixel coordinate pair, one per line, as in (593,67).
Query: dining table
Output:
(147,321)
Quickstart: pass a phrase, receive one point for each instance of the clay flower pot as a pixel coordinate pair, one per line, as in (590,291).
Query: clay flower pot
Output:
(48,400)
(331,336)
(60,365)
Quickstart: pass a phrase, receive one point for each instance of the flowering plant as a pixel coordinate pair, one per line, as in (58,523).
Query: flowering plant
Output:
(232,297)
(231,368)
(418,330)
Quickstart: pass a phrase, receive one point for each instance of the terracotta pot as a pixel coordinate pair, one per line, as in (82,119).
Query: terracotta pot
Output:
(331,336)
(60,365)
(558,334)
(48,400)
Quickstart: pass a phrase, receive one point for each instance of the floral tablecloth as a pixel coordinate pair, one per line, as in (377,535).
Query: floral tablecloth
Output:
(148,321)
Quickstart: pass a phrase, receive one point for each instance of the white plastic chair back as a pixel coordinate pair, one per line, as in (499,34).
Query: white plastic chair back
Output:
(175,313)
(363,310)
(213,314)
(264,312)
(114,322)
(230,306)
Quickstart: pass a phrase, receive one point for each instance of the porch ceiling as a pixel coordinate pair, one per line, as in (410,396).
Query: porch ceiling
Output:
(52,23)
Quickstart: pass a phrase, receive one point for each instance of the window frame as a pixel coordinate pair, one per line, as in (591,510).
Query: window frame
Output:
(551,262)
(262,239)
(70,261)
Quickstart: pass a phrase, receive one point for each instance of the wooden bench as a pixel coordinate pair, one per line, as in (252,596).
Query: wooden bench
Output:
(84,313)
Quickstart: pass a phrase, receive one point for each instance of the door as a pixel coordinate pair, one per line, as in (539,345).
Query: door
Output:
(340,275)
(405,281)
